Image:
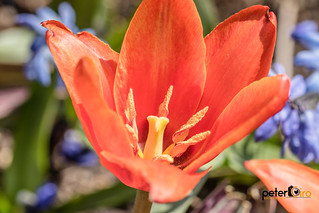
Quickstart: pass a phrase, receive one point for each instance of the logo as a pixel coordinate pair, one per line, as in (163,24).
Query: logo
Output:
(291,192)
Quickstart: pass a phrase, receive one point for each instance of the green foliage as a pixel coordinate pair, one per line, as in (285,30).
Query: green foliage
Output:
(84,9)
(208,14)
(32,136)
(5,205)
(248,149)
(112,197)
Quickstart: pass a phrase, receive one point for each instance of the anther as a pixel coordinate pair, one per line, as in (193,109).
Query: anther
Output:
(132,134)
(182,146)
(196,138)
(182,133)
(130,112)
(164,158)
(163,108)
(130,125)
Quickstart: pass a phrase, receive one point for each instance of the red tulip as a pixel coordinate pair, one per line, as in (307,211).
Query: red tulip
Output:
(281,174)
(203,93)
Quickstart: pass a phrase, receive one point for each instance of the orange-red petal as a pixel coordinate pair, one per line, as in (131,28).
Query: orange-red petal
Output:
(165,183)
(163,46)
(281,174)
(238,52)
(252,106)
(108,59)
(67,49)
(106,130)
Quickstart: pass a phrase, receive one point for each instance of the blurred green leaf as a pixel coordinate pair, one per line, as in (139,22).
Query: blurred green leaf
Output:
(32,137)
(116,36)
(84,9)
(248,149)
(15,45)
(216,163)
(208,14)
(5,205)
(70,113)
(112,197)
(85,13)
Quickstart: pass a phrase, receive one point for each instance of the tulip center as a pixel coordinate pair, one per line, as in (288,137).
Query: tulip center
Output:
(153,149)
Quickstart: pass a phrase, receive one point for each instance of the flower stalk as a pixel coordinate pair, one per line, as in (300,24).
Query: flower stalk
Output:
(142,203)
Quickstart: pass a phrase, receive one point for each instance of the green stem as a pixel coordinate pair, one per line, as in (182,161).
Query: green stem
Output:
(142,203)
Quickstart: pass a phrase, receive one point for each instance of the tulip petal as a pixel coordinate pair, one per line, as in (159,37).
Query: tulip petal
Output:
(252,106)
(165,183)
(67,49)
(163,46)
(102,124)
(238,52)
(281,174)
(108,57)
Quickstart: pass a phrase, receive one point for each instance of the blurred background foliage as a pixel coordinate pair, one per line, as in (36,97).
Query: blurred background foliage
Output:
(46,164)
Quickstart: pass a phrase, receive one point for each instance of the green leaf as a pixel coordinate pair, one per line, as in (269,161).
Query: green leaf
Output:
(216,163)
(15,45)
(32,137)
(208,14)
(248,149)
(84,9)
(112,197)
(116,36)
(5,205)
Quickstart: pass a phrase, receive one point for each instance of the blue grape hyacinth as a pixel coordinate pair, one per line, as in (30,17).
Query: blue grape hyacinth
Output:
(39,66)
(74,151)
(298,121)
(307,34)
(44,198)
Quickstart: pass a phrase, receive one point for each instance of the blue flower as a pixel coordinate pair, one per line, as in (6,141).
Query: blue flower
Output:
(296,122)
(44,198)
(312,82)
(286,117)
(73,150)
(304,143)
(307,34)
(308,59)
(41,62)
(46,195)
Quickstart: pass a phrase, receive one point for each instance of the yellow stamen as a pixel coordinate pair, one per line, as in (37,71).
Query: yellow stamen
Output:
(130,112)
(132,134)
(182,133)
(163,108)
(196,138)
(182,146)
(154,142)
(130,125)
(164,158)
(134,139)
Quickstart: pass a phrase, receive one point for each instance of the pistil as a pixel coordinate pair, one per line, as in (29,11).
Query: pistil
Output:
(154,142)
